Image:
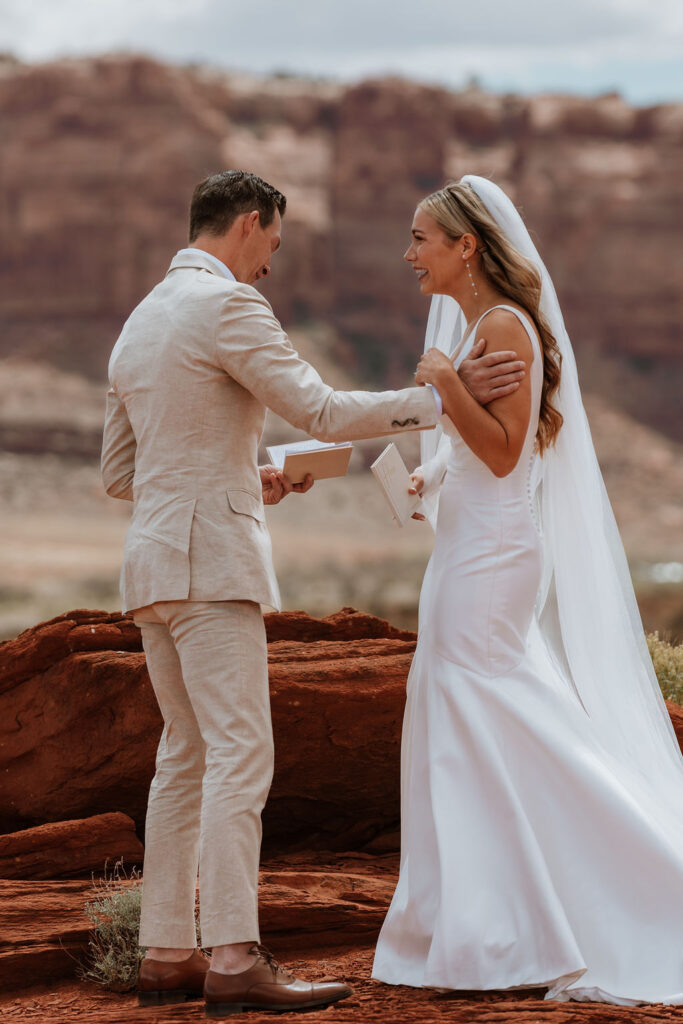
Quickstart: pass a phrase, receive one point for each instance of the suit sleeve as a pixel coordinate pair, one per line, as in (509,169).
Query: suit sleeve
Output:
(118,450)
(254,349)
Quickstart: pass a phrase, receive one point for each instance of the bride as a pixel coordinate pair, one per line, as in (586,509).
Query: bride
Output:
(542,785)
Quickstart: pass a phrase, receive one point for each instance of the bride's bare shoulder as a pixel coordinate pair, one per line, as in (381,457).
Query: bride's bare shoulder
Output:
(503,330)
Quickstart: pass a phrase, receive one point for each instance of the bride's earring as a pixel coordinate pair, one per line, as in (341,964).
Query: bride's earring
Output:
(472,281)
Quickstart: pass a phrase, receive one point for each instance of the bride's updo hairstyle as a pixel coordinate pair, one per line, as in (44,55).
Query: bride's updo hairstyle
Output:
(458,211)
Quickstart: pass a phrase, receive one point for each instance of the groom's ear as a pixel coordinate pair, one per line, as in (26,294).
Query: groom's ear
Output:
(250,222)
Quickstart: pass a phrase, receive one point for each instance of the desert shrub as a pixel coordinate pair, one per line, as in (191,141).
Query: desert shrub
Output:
(667,659)
(114,956)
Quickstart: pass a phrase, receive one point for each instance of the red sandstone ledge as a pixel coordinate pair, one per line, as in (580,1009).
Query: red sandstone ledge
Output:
(79,725)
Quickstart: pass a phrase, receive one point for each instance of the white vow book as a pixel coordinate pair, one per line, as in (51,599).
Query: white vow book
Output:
(394,481)
(318,458)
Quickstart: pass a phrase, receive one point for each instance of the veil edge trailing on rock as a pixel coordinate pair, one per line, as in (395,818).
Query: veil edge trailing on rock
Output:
(586,609)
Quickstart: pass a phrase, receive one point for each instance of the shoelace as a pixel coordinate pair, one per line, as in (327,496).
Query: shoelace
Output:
(264,953)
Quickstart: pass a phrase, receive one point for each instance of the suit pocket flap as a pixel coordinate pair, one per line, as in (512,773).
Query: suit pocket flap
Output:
(245,503)
(167,521)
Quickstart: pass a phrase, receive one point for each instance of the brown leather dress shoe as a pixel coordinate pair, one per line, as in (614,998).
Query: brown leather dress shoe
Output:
(266,986)
(160,981)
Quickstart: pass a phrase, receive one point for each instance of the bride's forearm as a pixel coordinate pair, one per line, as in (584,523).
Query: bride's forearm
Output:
(480,430)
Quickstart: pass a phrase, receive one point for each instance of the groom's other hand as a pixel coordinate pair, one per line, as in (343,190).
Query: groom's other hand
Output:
(490,376)
(275,485)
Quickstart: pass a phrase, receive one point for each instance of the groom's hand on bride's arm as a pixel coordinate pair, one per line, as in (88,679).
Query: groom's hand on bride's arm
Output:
(491,376)
(275,485)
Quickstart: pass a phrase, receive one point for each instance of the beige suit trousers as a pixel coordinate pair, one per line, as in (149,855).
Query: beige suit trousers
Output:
(208,665)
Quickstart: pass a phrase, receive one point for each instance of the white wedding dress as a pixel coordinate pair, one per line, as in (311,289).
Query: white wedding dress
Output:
(530,856)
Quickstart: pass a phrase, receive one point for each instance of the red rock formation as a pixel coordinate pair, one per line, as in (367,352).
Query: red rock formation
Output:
(79,724)
(72,693)
(40,648)
(676,712)
(347,624)
(46,930)
(323,923)
(123,140)
(70,848)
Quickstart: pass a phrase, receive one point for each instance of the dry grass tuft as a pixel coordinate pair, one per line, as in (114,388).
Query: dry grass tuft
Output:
(114,955)
(667,659)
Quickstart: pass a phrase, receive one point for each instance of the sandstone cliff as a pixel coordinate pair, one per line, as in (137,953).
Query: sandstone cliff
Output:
(100,155)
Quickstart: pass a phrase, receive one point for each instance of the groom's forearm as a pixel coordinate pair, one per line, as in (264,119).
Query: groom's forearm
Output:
(354,415)
(253,348)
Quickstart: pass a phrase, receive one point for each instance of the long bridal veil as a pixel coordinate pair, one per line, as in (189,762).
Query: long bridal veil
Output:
(586,609)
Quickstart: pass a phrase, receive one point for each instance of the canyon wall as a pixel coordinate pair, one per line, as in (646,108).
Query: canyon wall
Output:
(100,156)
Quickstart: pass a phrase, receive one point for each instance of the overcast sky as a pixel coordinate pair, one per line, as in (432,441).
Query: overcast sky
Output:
(582,46)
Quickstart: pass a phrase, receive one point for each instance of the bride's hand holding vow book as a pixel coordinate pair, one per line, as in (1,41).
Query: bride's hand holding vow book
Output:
(397,485)
(417,481)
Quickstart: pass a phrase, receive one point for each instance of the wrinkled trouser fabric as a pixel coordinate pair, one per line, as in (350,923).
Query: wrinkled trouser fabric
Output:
(208,665)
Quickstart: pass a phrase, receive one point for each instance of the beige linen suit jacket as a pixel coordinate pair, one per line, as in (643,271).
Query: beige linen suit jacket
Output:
(191,375)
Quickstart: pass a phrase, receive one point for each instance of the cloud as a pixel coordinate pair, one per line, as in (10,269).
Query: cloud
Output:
(443,40)
(222,27)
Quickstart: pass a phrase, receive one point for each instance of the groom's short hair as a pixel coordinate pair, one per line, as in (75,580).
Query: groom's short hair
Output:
(220,199)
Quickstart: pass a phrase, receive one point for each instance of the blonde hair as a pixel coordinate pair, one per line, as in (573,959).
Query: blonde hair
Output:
(458,210)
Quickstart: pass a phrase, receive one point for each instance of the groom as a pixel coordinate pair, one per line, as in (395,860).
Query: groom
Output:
(192,373)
